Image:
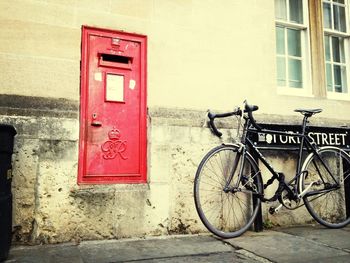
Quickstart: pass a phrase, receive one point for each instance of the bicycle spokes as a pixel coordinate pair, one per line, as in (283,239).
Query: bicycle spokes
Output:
(323,186)
(224,203)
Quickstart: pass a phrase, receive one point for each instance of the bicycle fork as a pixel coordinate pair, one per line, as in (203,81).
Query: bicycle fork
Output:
(227,187)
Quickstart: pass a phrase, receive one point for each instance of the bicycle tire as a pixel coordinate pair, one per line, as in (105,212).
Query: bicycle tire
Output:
(209,196)
(328,207)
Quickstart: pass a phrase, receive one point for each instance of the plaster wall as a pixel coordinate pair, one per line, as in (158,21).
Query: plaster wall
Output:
(201,54)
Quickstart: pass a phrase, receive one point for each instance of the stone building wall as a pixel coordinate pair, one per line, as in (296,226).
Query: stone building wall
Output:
(50,207)
(201,55)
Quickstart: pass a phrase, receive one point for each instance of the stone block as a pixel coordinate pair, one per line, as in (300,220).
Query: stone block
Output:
(130,212)
(160,134)
(101,6)
(112,21)
(54,214)
(184,164)
(39,76)
(159,164)
(26,127)
(142,9)
(39,40)
(58,129)
(25,163)
(183,215)
(157,209)
(37,12)
(180,10)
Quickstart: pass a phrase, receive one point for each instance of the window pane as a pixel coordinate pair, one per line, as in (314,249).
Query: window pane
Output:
(342,51)
(294,42)
(281,71)
(296,11)
(280,42)
(280,9)
(338,49)
(335,49)
(327,18)
(327,48)
(339,1)
(329,77)
(339,18)
(339,78)
(295,74)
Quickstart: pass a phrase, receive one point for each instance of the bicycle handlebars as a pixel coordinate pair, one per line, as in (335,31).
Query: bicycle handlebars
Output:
(212,117)
(247,109)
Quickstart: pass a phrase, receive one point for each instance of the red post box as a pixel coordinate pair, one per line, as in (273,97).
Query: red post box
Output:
(113,137)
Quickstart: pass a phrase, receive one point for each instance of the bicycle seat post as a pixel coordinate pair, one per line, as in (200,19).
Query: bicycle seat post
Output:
(305,122)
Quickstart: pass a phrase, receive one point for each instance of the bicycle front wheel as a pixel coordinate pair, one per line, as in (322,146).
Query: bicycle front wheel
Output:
(326,182)
(227,204)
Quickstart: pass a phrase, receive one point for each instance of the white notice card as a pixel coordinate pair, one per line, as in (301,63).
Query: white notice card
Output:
(115,88)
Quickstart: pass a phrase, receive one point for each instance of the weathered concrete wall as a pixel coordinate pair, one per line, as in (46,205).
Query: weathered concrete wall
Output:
(285,162)
(50,207)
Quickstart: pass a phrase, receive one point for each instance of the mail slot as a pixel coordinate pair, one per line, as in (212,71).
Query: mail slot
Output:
(113,107)
(115,61)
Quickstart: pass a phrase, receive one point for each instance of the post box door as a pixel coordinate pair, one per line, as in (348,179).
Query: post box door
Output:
(113,108)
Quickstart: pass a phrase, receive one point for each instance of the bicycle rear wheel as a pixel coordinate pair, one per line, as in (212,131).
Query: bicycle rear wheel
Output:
(226,212)
(326,198)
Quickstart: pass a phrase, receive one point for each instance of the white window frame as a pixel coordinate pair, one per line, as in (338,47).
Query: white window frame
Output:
(306,90)
(345,35)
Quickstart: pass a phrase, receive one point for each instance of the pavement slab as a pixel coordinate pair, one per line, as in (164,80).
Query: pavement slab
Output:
(135,250)
(333,259)
(337,238)
(63,253)
(210,258)
(282,247)
(290,244)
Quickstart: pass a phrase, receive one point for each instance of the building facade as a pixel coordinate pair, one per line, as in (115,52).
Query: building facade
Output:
(195,55)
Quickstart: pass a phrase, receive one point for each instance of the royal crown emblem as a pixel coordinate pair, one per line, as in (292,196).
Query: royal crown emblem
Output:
(114,146)
(114,134)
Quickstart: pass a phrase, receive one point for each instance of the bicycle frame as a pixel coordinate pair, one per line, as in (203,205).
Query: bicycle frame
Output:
(305,144)
(229,181)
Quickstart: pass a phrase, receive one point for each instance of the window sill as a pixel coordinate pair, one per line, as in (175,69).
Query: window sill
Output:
(338,96)
(294,92)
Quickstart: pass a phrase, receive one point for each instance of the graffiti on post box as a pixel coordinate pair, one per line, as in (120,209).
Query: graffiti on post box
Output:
(114,146)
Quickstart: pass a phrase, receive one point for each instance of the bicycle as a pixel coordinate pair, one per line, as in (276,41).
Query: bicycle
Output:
(228,186)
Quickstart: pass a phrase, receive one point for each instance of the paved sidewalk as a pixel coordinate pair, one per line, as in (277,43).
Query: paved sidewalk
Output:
(292,244)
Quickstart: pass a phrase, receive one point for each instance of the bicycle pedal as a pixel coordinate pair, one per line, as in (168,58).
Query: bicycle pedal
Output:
(272,210)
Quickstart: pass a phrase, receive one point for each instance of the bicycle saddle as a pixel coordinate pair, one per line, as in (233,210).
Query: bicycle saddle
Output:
(308,113)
